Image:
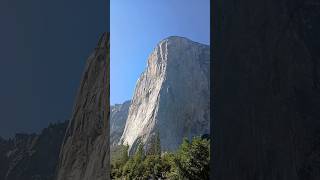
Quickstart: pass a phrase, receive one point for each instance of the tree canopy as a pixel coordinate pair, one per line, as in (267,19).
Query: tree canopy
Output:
(190,161)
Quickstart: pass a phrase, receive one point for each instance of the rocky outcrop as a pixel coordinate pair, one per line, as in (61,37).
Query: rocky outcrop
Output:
(32,156)
(118,118)
(171,96)
(267,90)
(85,151)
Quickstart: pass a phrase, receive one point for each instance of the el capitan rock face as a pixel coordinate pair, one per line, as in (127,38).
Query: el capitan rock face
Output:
(118,118)
(85,151)
(171,96)
(267,90)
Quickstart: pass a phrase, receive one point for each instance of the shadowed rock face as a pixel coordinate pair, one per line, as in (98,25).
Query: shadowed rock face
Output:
(85,151)
(118,118)
(5,147)
(171,96)
(32,156)
(267,90)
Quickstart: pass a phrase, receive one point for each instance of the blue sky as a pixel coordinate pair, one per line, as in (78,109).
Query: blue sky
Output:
(137,26)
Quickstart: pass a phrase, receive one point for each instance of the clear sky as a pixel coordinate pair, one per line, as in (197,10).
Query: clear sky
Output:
(136,27)
(43,49)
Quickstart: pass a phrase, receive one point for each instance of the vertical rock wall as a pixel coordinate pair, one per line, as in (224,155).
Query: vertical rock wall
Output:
(118,118)
(85,151)
(171,96)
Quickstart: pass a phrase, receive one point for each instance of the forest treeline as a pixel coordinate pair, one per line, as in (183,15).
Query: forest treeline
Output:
(190,161)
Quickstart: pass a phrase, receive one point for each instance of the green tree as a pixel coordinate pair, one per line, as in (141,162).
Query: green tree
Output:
(153,167)
(154,147)
(169,167)
(124,155)
(119,157)
(192,159)
(157,145)
(140,154)
(134,168)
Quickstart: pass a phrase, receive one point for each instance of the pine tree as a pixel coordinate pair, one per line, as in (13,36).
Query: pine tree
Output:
(157,144)
(154,147)
(140,154)
(124,154)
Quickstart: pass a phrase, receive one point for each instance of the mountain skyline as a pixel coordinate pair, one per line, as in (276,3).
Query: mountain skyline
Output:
(149,24)
(170,97)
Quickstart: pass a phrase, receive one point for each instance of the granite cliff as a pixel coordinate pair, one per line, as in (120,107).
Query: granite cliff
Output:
(171,96)
(85,151)
(118,118)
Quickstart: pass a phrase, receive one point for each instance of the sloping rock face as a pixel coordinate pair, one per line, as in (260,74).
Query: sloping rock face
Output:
(118,118)
(32,156)
(171,96)
(85,151)
(267,90)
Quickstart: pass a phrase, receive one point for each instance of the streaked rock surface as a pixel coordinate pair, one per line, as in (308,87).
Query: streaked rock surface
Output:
(171,96)
(85,151)
(118,118)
